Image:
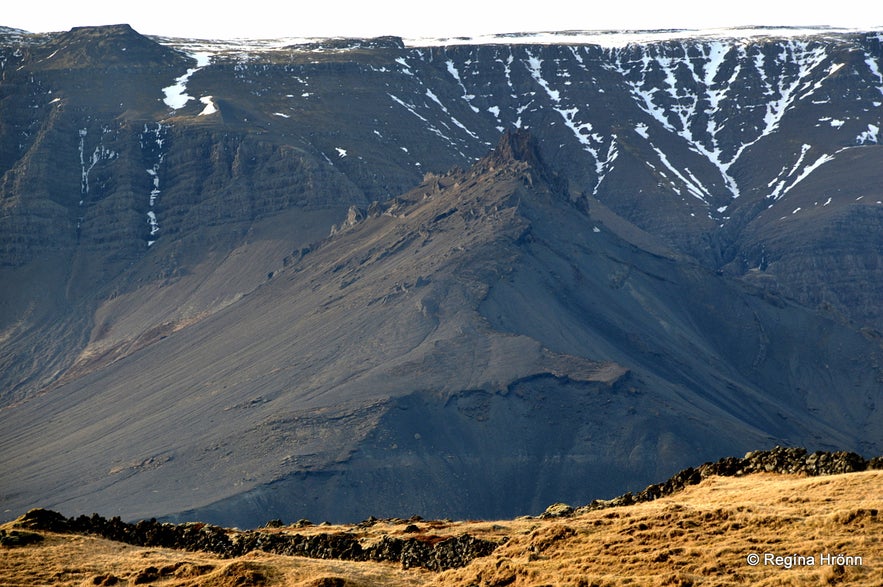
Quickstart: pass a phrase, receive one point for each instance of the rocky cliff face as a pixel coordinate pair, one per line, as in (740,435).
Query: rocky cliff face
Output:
(674,252)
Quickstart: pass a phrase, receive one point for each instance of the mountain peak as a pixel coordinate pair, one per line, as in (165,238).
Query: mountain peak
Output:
(106,46)
(520,146)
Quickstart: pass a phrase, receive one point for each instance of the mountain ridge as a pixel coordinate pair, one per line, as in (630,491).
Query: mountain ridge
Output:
(167,265)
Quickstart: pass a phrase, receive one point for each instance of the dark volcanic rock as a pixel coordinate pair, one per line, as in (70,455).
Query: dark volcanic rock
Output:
(14,538)
(782,460)
(42,519)
(433,553)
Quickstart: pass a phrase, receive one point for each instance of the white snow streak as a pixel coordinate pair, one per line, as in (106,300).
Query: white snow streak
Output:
(592,142)
(694,187)
(783,189)
(686,106)
(466,95)
(156,135)
(154,226)
(101,153)
(405,67)
(410,108)
(434,98)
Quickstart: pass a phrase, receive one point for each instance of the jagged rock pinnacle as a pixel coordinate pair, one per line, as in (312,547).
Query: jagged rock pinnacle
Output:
(519,145)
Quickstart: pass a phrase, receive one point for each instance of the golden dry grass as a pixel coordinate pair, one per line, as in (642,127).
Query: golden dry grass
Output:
(701,536)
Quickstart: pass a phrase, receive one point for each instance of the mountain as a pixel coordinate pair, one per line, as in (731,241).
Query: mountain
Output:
(311,280)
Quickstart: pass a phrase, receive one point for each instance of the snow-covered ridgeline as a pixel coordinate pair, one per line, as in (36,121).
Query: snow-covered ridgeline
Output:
(602,38)
(622,38)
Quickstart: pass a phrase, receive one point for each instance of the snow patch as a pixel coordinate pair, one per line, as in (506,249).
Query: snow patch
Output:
(875,71)
(535,66)
(176,94)
(209,106)
(870,136)
(405,67)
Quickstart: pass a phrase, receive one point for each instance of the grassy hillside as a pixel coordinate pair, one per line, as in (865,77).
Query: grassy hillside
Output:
(703,535)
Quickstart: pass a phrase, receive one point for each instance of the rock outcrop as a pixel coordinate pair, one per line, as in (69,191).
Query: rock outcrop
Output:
(782,460)
(427,551)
